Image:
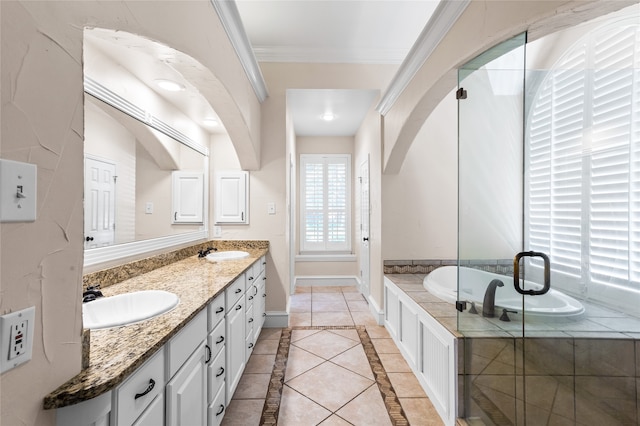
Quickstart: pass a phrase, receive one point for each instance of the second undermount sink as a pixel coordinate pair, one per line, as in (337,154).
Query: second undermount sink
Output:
(127,308)
(226,255)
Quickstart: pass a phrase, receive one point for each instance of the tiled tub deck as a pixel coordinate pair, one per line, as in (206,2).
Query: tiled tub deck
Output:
(573,372)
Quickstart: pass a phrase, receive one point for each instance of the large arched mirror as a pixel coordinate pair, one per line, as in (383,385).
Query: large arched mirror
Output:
(146,149)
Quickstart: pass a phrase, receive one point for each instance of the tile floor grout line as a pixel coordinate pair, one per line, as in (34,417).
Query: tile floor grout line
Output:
(271,406)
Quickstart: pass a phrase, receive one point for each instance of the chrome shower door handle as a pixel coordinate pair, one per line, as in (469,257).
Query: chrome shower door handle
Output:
(516,273)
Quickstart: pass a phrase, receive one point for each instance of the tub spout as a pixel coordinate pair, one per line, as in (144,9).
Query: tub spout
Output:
(489,304)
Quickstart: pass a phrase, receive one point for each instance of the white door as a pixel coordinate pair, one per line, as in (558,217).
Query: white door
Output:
(187,392)
(99,202)
(364,228)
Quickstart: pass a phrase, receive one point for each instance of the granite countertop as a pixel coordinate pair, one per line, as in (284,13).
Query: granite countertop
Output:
(117,352)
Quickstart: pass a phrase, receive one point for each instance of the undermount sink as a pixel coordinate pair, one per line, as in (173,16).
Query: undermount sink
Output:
(127,308)
(226,255)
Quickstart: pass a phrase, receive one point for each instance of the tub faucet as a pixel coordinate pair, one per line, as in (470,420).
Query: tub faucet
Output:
(489,304)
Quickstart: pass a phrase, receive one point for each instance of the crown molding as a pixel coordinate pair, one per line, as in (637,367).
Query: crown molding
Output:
(230,17)
(324,55)
(446,14)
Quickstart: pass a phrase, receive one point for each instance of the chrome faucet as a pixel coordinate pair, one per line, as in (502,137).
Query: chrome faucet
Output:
(489,304)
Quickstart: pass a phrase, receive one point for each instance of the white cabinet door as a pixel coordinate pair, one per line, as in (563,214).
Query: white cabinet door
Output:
(187,392)
(154,414)
(232,197)
(235,347)
(188,197)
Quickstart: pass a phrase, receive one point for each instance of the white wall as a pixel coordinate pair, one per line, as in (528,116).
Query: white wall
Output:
(420,208)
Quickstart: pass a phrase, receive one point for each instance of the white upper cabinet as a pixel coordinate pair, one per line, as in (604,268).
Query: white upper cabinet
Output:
(232,197)
(188,197)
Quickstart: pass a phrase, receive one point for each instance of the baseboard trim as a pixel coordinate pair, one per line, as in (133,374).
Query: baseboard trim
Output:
(375,310)
(327,280)
(276,319)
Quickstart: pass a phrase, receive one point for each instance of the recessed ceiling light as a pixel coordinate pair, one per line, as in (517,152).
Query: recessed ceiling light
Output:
(210,122)
(169,85)
(328,116)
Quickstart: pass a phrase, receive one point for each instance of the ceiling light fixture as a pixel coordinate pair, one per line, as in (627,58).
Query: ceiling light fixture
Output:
(169,85)
(328,116)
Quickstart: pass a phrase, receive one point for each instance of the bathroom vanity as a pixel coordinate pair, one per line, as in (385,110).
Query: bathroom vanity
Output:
(181,367)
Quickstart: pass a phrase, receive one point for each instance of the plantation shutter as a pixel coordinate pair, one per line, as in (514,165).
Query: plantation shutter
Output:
(583,185)
(325,205)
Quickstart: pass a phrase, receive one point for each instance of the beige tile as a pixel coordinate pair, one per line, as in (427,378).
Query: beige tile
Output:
(326,289)
(300,289)
(297,410)
(327,297)
(337,306)
(406,385)
(350,289)
(297,319)
(301,334)
(355,360)
(378,332)
(252,386)
(348,333)
(300,303)
(331,318)
(606,400)
(385,346)
(266,347)
(325,344)
(366,409)
(335,421)
(363,318)
(243,412)
(355,305)
(270,334)
(420,412)
(300,361)
(259,363)
(330,385)
(394,363)
(353,296)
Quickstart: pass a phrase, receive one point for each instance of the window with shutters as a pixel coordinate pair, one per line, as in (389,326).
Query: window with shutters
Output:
(583,159)
(325,203)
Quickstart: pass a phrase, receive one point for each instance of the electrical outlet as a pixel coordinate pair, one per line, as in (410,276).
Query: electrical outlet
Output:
(16,338)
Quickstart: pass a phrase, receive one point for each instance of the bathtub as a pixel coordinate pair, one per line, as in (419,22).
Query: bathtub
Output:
(443,282)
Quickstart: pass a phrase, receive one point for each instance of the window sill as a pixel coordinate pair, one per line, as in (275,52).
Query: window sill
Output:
(329,257)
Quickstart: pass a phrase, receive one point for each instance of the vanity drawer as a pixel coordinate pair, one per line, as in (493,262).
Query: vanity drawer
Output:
(140,389)
(216,311)
(234,292)
(217,338)
(182,345)
(216,375)
(217,408)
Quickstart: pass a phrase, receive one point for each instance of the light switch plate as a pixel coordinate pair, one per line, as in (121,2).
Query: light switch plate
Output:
(17,191)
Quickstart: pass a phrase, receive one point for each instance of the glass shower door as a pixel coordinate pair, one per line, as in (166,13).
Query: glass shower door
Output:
(490,231)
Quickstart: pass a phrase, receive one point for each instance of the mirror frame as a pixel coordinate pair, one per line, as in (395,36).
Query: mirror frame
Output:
(97,256)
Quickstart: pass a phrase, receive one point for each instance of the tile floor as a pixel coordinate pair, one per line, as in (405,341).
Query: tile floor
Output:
(328,378)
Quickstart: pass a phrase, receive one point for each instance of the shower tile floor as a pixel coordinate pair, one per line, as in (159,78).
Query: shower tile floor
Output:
(328,379)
